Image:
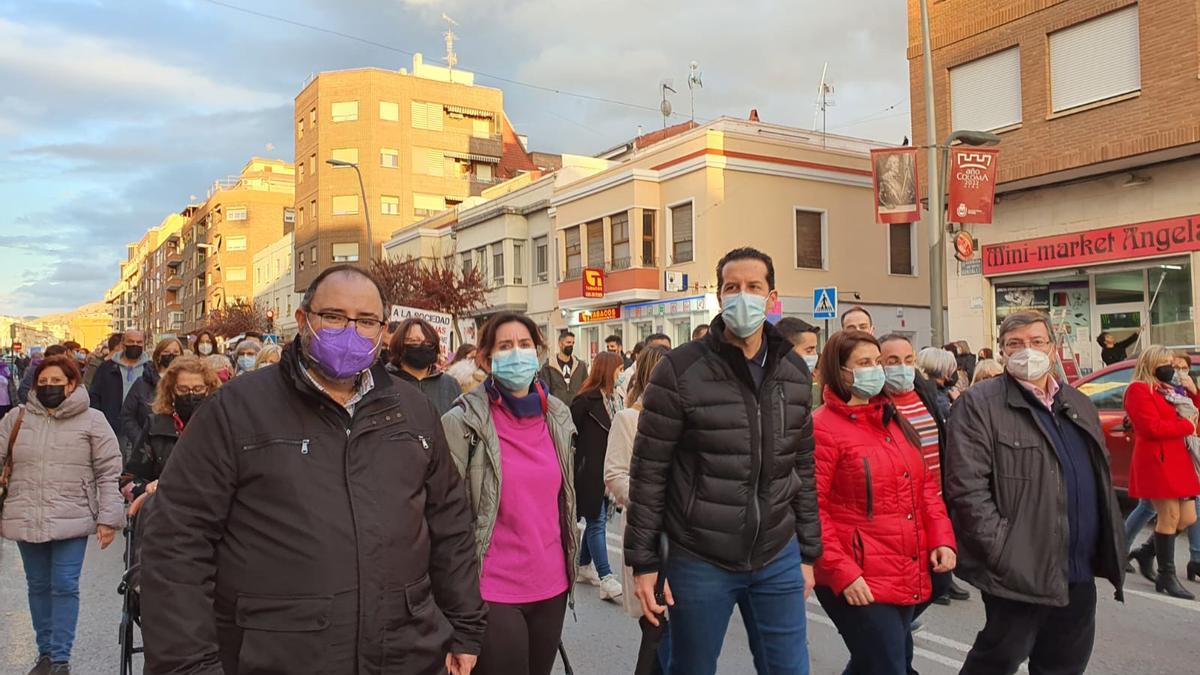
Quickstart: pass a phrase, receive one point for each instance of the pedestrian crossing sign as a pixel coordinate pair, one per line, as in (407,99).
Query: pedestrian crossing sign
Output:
(825,303)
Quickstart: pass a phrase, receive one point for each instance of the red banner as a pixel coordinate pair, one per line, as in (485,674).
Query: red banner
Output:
(972,184)
(1143,240)
(897,191)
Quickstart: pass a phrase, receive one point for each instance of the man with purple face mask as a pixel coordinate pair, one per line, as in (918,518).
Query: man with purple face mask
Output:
(311,519)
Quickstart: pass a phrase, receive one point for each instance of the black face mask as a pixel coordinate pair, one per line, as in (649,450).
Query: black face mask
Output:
(185,406)
(52,395)
(165,360)
(133,352)
(420,356)
(1165,374)
(568,349)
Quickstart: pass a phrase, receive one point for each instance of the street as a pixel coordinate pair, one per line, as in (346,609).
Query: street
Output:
(1150,634)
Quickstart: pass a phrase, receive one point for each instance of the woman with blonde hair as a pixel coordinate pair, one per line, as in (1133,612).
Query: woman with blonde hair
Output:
(267,356)
(986,369)
(1164,426)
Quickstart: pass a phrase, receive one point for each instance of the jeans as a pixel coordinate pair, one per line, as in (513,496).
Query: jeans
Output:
(771,600)
(594,546)
(1137,520)
(878,636)
(1055,640)
(52,575)
(1193,535)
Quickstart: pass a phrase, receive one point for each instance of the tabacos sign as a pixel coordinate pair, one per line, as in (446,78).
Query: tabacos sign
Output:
(1142,240)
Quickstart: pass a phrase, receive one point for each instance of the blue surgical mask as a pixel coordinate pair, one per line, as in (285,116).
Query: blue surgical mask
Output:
(744,313)
(900,378)
(515,368)
(868,382)
(810,360)
(246,362)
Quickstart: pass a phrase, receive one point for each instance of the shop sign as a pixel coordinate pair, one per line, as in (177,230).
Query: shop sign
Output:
(593,283)
(665,307)
(970,268)
(964,246)
(897,192)
(1159,237)
(972,184)
(595,315)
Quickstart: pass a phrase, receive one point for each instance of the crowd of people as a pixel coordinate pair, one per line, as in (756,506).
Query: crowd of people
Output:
(358,501)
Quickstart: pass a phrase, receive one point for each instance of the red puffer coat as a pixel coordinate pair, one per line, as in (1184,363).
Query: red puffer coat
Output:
(880,510)
(1161,467)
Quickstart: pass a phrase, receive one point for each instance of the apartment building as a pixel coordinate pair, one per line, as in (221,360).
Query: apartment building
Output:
(274,285)
(145,297)
(1097,219)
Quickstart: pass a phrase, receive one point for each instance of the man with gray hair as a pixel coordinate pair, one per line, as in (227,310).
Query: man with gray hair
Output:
(115,377)
(1029,489)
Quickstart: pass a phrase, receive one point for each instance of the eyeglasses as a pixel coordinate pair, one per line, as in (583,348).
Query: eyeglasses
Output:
(1036,343)
(365,326)
(199,390)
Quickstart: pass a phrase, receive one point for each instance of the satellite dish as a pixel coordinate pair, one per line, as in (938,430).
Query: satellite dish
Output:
(665,108)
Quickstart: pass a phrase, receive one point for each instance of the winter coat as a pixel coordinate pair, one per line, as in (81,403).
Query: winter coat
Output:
(476,451)
(592,424)
(290,536)
(136,410)
(560,389)
(1161,467)
(1007,497)
(881,508)
(65,471)
(25,385)
(616,479)
(151,451)
(439,388)
(108,388)
(89,371)
(723,467)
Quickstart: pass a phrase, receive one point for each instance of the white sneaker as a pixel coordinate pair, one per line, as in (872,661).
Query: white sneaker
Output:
(610,588)
(587,574)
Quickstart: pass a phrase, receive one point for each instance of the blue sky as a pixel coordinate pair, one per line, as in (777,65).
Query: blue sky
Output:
(114,112)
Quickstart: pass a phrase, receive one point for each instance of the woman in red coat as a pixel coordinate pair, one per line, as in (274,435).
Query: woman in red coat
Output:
(883,525)
(1164,423)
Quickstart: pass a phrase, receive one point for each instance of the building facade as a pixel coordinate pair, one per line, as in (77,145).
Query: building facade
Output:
(275,285)
(145,297)
(1097,220)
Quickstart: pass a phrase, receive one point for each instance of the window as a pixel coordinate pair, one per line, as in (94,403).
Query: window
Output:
(648,247)
(619,228)
(426,205)
(483,172)
(312,211)
(289,215)
(236,213)
(985,94)
(389,157)
(345,155)
(428,161)
(312,117)
(595,243)
(810,239)
(1095,60)
(235,243)
(345,111)
(481,260)
(345,205)
(235,274)
(900,249)
(300,217)
(427,116)
(481,128)
(574,252)
(300,172)
(312,255)
(347,252)
(389,112)
(681,233)
(312,164)
(518,262)
(498,263)
(390,206)
(300,128)
(541,253)
(467,263)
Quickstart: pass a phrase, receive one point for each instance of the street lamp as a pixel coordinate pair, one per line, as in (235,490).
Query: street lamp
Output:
(338,163)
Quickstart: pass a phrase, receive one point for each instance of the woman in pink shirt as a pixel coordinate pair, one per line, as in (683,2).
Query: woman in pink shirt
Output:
(514,444)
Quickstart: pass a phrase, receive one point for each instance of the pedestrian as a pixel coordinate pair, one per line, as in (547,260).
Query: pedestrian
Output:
(563,372)
(467,373)
(858,318)
(1029,488)
(135,411)
(310,519)
(1113,350)
(722,464)
(513,443)
(985,354)
(29,380)
(77,352)
(966,364)
(592,412)
(206,344)
(245,356)
(986,369)
(116,377)
(63,488)
(99,356)
(940,367)
(612,344)
(804,338)
(414,353)
(269,355)
(700,331)
(465,352)
(221,365)
(8,388)
(1164,433)
(877,493)
(619,453)
(627,374)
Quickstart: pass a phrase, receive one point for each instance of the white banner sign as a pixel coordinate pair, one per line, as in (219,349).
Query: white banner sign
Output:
(442,323)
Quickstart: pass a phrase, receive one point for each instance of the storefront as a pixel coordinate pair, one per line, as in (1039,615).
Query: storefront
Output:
(592,326)
(634,323)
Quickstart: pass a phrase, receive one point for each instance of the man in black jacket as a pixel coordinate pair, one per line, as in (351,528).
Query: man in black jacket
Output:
(310,519)
(723,465)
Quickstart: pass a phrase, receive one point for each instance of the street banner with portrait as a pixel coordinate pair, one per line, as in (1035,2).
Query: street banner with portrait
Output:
(897,192)
(972,184)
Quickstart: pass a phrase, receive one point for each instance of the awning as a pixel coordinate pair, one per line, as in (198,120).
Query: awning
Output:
(473,158)
(473,112)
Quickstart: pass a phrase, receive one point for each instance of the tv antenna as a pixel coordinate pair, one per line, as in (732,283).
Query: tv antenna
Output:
(665,107)
(451,57)
(824,101)
(694,83)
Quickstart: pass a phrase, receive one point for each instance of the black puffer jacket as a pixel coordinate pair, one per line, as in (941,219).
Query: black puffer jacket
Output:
(725,470)
(151,452)
(135,411)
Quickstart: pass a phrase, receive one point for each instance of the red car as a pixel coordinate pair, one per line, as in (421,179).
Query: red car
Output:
(1106,388)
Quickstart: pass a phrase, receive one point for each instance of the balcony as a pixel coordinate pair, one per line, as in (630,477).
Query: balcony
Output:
(174,260)
(174,283)
(488,147)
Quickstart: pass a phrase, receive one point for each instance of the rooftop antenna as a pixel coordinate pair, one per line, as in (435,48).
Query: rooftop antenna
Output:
(694,83)
(665,107)
(824,101)
(451,57)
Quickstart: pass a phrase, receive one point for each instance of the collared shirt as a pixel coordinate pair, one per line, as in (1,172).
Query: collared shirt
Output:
(1044,396)
(365,384)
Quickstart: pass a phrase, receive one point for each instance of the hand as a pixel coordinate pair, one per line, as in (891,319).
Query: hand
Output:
(151,487)
(944,559)
(809,579)
(644,592)
(858,593)
(460,664)
(106,535)
(138,504)
(1189,384)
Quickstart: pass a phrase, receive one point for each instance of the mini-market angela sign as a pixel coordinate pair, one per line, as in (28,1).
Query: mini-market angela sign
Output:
(1142,240)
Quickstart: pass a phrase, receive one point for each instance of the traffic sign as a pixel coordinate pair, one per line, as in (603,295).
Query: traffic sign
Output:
(825,304)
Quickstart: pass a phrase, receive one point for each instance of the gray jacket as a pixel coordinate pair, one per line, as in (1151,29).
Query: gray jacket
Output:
(476,451)
(1007,498)
(65,470)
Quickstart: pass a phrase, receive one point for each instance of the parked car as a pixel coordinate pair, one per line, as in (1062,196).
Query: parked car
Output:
(1106,388)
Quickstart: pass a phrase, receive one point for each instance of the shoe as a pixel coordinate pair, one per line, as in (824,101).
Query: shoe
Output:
(60,669)
(587,575)
(917,625)
(610,588)
(41,666)
(957,592)
(1193,570)
(942,600)
(1167,582)
(1144,557)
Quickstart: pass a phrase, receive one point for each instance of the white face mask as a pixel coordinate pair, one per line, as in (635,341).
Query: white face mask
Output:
(1028,364)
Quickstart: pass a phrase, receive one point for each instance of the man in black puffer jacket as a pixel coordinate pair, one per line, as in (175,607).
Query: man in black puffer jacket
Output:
(723,465)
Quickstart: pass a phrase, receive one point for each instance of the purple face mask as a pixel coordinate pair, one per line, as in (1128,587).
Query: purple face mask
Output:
(341,355)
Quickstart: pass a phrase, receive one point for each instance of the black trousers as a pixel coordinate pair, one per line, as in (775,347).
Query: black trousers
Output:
(1056,640)
(522,639)
(878,636)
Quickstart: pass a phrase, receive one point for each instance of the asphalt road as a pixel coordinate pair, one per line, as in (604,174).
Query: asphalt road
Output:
(1147,635)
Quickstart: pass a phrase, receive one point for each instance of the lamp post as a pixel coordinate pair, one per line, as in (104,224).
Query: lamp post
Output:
(338,163)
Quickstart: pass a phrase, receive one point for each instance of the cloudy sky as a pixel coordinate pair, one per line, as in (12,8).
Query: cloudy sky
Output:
(113,112)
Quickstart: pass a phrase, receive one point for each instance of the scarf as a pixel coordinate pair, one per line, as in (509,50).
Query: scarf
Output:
(533,404)
(1185,408)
